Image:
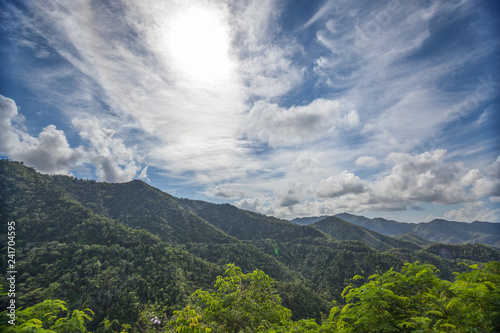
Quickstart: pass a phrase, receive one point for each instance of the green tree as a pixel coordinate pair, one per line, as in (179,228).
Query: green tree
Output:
(240,302)
(50,316)
(416,300)
(475,302)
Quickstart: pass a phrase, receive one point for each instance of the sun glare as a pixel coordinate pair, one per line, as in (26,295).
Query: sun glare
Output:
(198,44)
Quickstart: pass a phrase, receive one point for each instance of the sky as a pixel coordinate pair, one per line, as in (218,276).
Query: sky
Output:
(289,108)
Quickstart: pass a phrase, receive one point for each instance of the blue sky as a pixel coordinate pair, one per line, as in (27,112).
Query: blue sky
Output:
(287,108)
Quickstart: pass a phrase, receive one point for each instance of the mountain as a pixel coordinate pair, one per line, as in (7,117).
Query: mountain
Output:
(246,225)
(115,248)
(308,220)
(386,227)
(342,230)
(441,231)
(141,206)
(410,237)
(458,232)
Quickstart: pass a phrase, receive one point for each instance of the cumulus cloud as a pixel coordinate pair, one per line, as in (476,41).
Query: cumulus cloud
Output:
(473,212)
(412,180)
(277,126)
(221,191)
(9,139)
(255,204)
(114,162)
(51,153)
(489,185)
(292,195)
(48,153)
(424,178)
(366,161)
(339,185)
(284,203)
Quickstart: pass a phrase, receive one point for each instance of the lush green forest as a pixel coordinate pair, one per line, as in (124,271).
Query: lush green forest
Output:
(112,257)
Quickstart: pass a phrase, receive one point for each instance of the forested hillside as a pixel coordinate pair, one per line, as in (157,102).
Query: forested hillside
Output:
(123,249)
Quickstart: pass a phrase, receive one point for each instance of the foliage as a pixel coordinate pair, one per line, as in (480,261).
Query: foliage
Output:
(413,300)
(475,304)
(187,321)
(416,300)
(50,316)
(243,302)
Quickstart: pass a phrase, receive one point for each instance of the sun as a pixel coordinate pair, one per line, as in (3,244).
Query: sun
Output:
(198,44)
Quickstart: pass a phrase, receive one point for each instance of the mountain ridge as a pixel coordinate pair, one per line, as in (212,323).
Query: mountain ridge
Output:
(437,230)
(340,229)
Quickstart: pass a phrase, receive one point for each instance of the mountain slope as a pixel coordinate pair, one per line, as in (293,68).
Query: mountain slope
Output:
(411,237)
(451,232)
(141,206)
(381,225)
(66,251)
(343,230)
(246,225)
(307,220)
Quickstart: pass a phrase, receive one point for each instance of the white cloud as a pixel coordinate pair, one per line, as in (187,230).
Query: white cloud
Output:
(489,185)
(271,73)
(412,180)
(221,191)
(339,185)
(265,58)
(144,174)
(473,212)
(366,161)
(51,153)
(255,204)
(208,118)
(403,99)
(351,119)
(114,161)
(296,125)
(423,178)
(9,139)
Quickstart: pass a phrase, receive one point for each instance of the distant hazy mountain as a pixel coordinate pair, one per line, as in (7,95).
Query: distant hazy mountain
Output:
(342,230)
(411,237)
(308,220)
(439,231)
